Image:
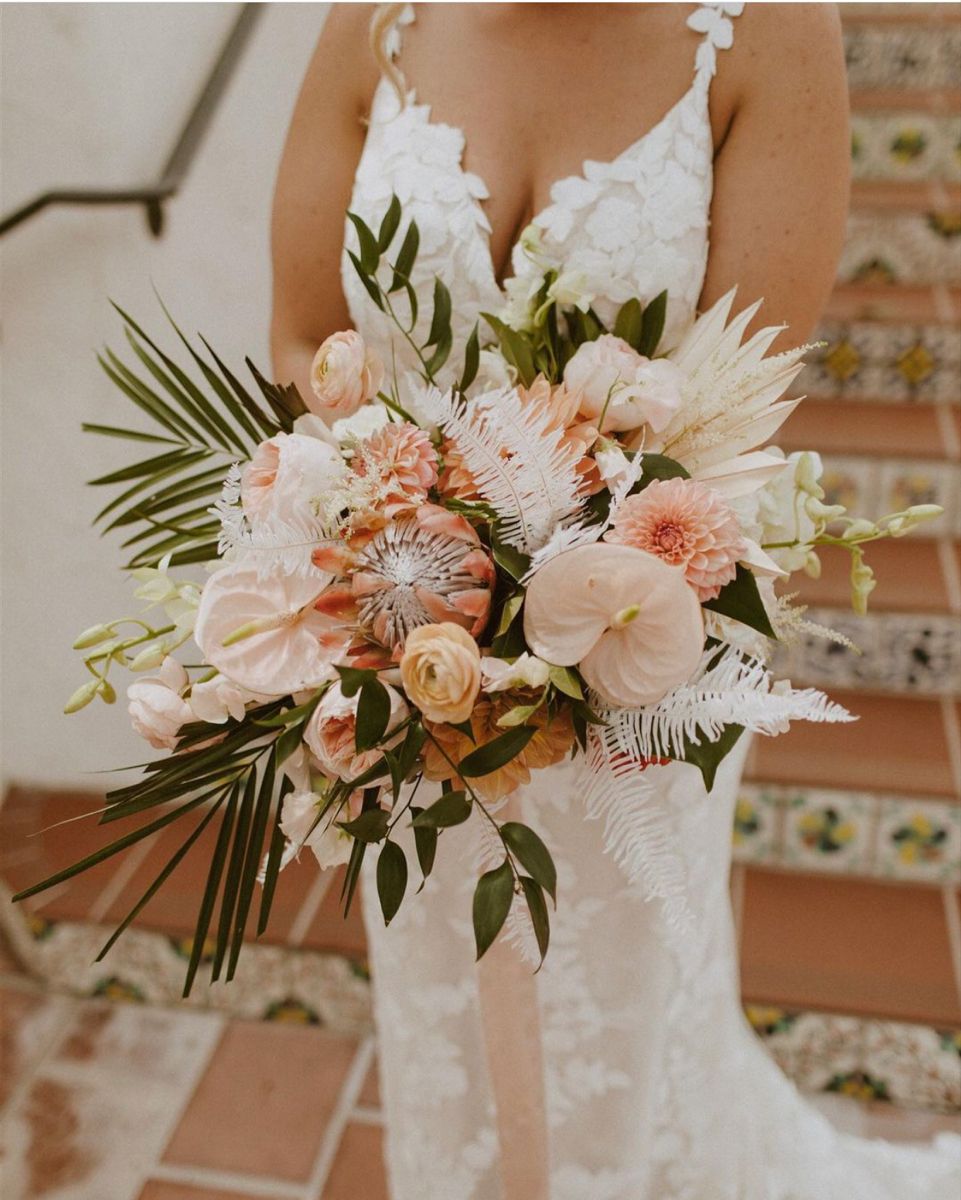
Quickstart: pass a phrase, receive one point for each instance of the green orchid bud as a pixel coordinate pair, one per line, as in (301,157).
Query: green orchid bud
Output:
(863,584)
(82,696)
(93,636)
(149,657)
(806,476)
(812,565)
(107,693)
(859,529)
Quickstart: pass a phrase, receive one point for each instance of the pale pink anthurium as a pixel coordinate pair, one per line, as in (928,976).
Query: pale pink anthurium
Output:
(276,641)
(629,621)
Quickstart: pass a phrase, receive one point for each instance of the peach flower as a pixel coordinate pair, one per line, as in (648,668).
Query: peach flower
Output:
(344,375)
(403,459)
(286,644)
(687,524)
(629,389)
(551,743)
(285,474)
(629,621)
(329,734)
(157,708)
(440,669)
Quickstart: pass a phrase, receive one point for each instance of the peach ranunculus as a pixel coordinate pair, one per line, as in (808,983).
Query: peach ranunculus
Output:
(285,474)
(440,670)
(157,708)
(630,622)
(344,375)
(551,743)
(329,734)
(687,524)
(285,645)
(403,461)
(629,389)
(331,846)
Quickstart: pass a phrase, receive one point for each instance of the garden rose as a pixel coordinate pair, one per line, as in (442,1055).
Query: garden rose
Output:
(441,671)
(330,732)
(285,474)
(157,708)
(628,388)
(344,375)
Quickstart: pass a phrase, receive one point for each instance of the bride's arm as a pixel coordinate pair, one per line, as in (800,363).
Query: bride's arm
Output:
(783,169)
(313,189)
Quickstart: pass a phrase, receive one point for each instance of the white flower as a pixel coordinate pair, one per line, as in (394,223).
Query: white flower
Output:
(331,846)
(362,424)
(497,674)
(217,699)
(157,708)
(492,372)
(786,511)
(285,474)
(622,388)
(612,463)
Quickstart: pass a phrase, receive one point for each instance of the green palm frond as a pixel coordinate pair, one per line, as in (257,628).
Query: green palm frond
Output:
(202,425)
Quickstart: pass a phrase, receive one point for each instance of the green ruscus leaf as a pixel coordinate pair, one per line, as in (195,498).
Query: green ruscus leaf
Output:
(492,901)
(391,879)
(532,854)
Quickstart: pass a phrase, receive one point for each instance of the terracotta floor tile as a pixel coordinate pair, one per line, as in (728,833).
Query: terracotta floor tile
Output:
(909,574)
(162,1189)
(264,1102)
(358,1170)
(896,745)
(902,196)
(330,930)
(9,963)
(29,855)
(847,946)
(863,428)
(28,1023)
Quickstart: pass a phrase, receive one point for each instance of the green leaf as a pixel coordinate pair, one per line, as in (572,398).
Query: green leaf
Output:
(567,681)
(290,715)
(352,874)
(133,434)
(391,879)
(373,715)
(515,347)
(532,854)
(628,322)
(352,679)
(370,826)
(511,560)
(268,426)
(389,224)
(148,466)
(371,285)
(492,902)
(286,402)
(652,325)
(440,355)
(659,466)
(369,252)
(404,263)
(214,874)
(274,857)
(440,322)
(411,747)
(708,756)
(471,360)
(251,867)
(425,842)
(509,612)
(238,851)
(537,907)
(741,600)
(453,808)
(495,754)
(518,714)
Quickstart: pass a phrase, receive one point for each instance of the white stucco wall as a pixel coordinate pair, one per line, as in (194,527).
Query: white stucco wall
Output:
(95,94)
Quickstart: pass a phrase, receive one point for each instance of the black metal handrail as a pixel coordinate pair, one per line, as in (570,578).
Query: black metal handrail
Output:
(174,171)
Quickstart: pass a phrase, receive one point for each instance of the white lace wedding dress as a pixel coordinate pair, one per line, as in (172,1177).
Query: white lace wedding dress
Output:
(656,1087)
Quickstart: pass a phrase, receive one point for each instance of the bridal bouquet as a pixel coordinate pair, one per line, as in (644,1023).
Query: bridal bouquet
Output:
(572,549)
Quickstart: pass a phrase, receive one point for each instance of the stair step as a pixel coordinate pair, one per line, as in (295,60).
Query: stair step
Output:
(873,301)
(873,487)
(877,362)
(828,830)
(859,428)
(912,579)
(938,101)
(898,744)
(904,198)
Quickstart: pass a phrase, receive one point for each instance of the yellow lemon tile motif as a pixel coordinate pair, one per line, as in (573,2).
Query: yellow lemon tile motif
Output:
(916,363)
(842,360)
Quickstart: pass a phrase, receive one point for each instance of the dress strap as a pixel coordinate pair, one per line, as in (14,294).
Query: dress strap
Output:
(715,22)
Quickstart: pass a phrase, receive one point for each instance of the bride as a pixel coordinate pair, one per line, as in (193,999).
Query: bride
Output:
(649,146)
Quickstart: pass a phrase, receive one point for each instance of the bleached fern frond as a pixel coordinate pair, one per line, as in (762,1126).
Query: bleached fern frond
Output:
(727,689)
(638,833)
(518,929)
(731,393)
(270,544)
(581,533)
(520,465)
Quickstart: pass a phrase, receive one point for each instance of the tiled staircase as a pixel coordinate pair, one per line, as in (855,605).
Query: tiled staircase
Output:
(848,839)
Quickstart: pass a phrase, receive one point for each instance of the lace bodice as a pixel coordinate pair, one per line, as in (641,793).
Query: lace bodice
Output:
(627,227)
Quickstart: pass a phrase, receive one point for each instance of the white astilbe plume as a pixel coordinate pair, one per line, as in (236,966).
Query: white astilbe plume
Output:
(519,464)
(638,831)
(728,688)
(518,929)
(730,395)
(581,533)
(790,625)
(285,545)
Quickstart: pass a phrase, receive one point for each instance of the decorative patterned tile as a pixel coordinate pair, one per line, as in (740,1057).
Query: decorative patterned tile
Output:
(919,839)
(758,824)
(903,56)
(830,831)
(852,482)
(903,145)
(902,248)
(904,482)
